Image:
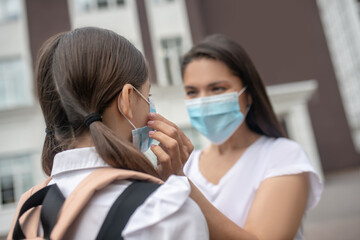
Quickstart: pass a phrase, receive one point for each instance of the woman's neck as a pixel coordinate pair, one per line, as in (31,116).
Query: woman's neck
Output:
(240,140)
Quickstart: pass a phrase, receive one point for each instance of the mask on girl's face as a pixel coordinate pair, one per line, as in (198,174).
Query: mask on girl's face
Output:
(140,136)
(216,117)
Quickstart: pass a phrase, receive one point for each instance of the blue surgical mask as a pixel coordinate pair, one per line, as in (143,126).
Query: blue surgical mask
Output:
(140,136)
(216,117)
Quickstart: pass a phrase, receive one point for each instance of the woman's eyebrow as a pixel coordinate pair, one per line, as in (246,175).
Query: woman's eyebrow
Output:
(209,85)
(190,87)
(217,82)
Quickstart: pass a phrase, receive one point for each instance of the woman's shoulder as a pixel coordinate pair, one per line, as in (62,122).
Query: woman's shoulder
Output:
(282,154)
(280,143)
(279,148)
(169,205)
(287,157)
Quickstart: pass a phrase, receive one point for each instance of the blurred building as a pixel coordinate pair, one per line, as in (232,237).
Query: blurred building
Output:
(308,53)
(343,38)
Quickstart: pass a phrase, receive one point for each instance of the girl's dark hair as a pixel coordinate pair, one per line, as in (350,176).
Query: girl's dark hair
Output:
(82,72)
(261,117)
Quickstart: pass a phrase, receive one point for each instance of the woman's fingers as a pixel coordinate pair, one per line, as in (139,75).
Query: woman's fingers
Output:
(161,124)
(170,138)
(185,140)
(174,148)
(168,154)
(169,144)
(164,161)
(156,116)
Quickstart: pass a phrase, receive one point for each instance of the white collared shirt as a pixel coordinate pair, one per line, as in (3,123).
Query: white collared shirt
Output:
(168,213)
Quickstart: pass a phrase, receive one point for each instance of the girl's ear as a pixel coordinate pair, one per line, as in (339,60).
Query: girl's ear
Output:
(124,100)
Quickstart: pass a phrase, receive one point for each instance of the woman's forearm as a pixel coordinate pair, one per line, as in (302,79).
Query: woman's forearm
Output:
(220,227)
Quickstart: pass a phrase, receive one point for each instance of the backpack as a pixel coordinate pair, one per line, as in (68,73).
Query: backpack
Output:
(45,204)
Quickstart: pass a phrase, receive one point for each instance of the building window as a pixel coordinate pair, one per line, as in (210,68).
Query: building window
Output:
(102,3)
(341,25)
(14,84)
(83,5)
(7,189)
(162,1)
(120,2)
(9,10)
(15,178)
(90,5)
(172,51)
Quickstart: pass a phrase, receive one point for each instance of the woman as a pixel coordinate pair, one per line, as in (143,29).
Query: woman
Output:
(93,89)
(258,179)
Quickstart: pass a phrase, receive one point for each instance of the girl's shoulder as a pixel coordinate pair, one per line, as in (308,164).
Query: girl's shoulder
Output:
(169,206)
(192,162)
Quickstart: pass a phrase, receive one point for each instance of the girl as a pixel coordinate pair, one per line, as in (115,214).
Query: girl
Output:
(93,89)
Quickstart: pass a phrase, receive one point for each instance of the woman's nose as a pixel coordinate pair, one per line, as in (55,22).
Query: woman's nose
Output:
(204,93)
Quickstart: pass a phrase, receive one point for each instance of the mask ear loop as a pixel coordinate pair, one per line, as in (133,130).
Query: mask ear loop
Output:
(248,107)
(241,91)
(141,95)
(118,103)
(148,101)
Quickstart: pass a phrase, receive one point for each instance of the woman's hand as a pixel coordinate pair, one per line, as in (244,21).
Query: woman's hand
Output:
(174,148)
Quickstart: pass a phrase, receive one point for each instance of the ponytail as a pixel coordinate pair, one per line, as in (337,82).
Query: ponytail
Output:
(49,99)
(118,152)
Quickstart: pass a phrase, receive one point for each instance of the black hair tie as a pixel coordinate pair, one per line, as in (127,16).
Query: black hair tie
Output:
(48,131)
(92,117)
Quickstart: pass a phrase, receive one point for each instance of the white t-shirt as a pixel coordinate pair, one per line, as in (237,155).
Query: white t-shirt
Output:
(168,213)
(265,158)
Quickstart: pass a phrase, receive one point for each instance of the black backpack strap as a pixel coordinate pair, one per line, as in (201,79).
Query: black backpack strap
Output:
(51,206)
(35,200)
(124,206)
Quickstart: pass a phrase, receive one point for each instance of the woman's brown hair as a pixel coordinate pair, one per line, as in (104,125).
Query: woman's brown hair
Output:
(261,117)
(82,72)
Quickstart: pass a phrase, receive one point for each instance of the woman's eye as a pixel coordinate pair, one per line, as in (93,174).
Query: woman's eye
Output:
(190,93)
(218,89)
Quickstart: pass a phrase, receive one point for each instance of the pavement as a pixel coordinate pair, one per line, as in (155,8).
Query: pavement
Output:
(337,216)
